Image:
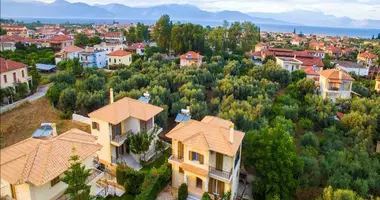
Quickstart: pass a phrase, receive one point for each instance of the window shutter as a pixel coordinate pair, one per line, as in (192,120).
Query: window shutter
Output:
(210,185)
(190,155)
(201,159)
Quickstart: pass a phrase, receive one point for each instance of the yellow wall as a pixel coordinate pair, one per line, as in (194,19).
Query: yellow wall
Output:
(126,60)
(10,80)
(103,136)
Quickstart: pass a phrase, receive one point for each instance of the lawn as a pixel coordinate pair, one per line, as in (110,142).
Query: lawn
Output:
(158,162)
(19,123)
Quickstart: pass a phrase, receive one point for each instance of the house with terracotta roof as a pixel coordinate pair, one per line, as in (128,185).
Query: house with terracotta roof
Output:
(32,168)
(316,53)
(334,51)
(15,30)
(206,155)
(348,51)
(190,58)
(57,43)
(69,52)
(138,48)
(289,63)
(367,58)
(260,46)
(13,73)
(349,66)
(109,47)
(335,84)
(377,85)
(115,122)
(119,57)
(114,37)
(91,57)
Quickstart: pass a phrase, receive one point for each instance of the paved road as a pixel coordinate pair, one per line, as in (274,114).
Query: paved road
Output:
(41,91)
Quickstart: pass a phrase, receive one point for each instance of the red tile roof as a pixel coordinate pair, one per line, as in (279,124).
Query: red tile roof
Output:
(309,70)
(194,55)
(307,61)
(333,49)
(113,34)
(60,38)
(333,74)
(119,53)
(15,38)
(367,55)
(9,65)
(136,45)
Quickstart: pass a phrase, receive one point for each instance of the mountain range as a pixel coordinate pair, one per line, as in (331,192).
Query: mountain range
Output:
(64,9)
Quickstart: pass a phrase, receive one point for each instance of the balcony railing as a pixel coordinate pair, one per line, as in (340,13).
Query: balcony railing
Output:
(119,139)
(94,174)
(220,173)
(334,88)
(176,158)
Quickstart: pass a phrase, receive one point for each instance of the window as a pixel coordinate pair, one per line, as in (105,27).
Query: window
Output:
(114,60)
(215,186)
(110,59)
(130,58)
(181,170)
(5,78)
(194,156)
(54,181)
(14,76)
(22,72)
(95,125)
(199,183)
(119,60)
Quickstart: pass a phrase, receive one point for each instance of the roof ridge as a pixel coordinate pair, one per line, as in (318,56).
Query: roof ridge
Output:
(79,141)
(32,161)
(46,159)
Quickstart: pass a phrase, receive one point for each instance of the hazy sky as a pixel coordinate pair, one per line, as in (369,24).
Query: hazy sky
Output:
(357,9)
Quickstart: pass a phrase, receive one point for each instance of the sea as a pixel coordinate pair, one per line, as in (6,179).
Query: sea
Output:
(330,31)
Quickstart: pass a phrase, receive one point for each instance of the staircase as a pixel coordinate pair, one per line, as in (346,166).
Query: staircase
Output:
(193,197)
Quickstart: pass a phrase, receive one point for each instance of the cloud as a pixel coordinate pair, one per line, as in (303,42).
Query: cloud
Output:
(356,9)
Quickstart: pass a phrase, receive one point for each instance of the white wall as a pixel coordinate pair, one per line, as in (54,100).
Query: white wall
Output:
(101,59)
(356,70)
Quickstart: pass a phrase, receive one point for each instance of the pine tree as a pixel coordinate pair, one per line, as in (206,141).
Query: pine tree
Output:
(294,31)
(75,178)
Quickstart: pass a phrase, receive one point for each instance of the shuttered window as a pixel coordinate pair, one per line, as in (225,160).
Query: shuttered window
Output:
(194,156)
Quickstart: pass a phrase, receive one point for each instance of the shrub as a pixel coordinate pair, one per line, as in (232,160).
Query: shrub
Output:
(309,139)
(206,196)
(133,181)
(306,123)
(120,175)
(183,192)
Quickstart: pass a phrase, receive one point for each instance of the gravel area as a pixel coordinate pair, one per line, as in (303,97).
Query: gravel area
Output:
(168,193)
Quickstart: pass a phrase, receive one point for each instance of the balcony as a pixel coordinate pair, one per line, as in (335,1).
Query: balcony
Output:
(334,88)
(220,173)
(176,158)
(119,140)
(95,175)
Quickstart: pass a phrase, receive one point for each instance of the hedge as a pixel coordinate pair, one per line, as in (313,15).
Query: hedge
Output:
(183,192)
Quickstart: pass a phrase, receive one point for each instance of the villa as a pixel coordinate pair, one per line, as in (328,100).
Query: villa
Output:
(206,155)
(335,84)
(190,58)
(119,57)
(113,123)
(69,52)
(367,58)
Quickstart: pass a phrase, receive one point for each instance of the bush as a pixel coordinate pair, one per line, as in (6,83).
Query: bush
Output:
(183,192)
(309,139)
(63,77)
(206,196)
(306,123)
(120,175)
(133,181)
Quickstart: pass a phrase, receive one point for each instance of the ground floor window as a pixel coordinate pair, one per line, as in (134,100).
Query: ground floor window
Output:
(199,183)
(215,186)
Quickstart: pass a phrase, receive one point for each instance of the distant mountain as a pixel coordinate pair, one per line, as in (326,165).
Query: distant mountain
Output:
(64,9)
(57,9)
(314,18)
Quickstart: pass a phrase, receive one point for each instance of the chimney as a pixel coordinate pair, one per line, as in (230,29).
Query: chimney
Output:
(54,127)
(232,126)
(340,74)
(111,95)
(188,109)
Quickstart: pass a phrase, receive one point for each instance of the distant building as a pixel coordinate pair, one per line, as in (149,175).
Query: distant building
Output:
(316,53)
(93,58)
(335,84)
(114,37)
(260,46)
(190,58)
(349,66)
(333,51)
(138,48)
(32,169)
(348,52)
(17,30)
(119,57)
(13,73)
(57,43)
(377,85)
(9,42)
(290,64)
(69,52)
(367,58)
(109,47)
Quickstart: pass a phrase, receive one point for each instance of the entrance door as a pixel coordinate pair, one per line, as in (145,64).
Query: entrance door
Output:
(199,183)
(219,161)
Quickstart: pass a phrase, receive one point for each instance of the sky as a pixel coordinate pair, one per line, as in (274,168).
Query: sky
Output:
(356,9)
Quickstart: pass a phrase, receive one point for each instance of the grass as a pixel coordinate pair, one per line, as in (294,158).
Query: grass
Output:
(19,123)
(158,162)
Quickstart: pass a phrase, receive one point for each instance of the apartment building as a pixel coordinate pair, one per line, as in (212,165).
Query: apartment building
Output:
(113,123)
(32,168)
(335,84)
(206,155)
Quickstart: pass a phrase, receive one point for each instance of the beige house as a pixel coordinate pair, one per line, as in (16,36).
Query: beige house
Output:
(190,58)
(290,64)
(13,73)
(32,168)
(113,123)
(377,85)
(335,84)
(206,155)
(119,57)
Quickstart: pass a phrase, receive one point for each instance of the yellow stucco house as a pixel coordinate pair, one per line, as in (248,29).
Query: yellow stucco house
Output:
(32,168)
(206,155)
(119,57)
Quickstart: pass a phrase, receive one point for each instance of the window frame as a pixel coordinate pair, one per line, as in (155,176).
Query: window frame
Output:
(95,125)
(55,181)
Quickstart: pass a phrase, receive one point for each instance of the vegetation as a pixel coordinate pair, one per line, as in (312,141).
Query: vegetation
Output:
(30,55)
(183,192)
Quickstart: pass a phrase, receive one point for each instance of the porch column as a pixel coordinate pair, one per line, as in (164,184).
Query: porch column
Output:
(206,184)
(185,177)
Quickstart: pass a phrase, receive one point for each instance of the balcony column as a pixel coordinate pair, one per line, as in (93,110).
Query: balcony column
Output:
(206,184)
(185,177)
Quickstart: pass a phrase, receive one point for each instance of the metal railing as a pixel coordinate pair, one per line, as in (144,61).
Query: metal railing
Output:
(121,138)
(220,173)
(176,158)
(94,173)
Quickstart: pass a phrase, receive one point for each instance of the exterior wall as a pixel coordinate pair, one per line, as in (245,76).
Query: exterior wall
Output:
(115,60)
(377,86)
(357,70)
(101,59)
(7,46)
(109,48)
(131,124)
(333,95)
(97,59)
(103,139)
(73,55)
(10,81)
(290,66)
(186,62)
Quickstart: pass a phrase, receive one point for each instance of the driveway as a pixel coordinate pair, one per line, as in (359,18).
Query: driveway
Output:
(41,91)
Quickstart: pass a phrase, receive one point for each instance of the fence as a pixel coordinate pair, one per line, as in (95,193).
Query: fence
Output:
(81,118)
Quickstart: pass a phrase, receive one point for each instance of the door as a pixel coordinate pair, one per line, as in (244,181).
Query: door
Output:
(199,183)
(219,161)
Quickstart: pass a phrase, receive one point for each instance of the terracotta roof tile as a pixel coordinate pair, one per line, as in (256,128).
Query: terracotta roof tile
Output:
(333,74)
(60,38)
(194,55)
(7,65)
(211,133)
(136,45)
(38,161)
(119,53)
(367,55)
(72,48)
(124,108)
